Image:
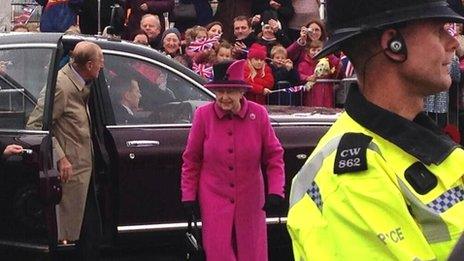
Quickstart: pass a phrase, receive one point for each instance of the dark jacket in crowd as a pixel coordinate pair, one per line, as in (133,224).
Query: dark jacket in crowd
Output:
(157,7)
(155,43)
(204,14)
(281,39)
(285,79)
(280,35)
(284,13)
(89,11)
(227,10)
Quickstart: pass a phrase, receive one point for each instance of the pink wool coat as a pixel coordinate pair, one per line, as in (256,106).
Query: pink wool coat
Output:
(222,169)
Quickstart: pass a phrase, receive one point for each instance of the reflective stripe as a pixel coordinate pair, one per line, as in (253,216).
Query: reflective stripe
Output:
(303,180)
(418,259)
(432,225)
(305,177)
(447,200)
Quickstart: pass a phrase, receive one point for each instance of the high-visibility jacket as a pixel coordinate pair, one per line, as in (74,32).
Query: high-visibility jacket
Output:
(378,187)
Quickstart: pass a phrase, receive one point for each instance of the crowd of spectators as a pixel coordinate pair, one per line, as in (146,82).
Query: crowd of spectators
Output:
(276,37)
(280,64)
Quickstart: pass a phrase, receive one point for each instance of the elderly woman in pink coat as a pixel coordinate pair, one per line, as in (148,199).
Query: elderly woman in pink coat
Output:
(230,140)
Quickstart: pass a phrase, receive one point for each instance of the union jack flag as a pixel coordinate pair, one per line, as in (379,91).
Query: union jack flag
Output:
(452,29)
(347,66)
(295,88)
(203,69)
(198,46)
(290,89)
(24,17)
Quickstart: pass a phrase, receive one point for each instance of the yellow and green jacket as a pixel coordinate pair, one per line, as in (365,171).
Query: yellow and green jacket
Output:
(378,187)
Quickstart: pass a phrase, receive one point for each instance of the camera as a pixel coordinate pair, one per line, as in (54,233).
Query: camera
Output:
(26,152)
(308,30)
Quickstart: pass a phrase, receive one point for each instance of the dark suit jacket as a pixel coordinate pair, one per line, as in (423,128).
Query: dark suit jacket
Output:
(122,116)
(2,149)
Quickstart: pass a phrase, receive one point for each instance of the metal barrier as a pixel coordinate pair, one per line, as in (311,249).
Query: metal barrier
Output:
(294,95)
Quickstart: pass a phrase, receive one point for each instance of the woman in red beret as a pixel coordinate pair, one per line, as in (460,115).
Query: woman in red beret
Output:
(229,141)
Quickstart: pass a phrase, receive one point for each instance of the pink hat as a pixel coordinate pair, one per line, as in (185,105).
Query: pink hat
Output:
(229,74)
(257,51)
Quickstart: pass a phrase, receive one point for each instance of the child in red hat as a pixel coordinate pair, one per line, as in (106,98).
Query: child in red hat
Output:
(258,74)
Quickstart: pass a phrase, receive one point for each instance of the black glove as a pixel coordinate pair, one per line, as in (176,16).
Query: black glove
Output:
(273,204)
(191,209)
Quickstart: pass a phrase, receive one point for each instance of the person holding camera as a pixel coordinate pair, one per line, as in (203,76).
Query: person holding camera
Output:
(282,8)
(314,30)
(305,10)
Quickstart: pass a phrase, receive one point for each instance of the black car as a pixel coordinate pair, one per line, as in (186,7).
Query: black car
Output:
(137,164)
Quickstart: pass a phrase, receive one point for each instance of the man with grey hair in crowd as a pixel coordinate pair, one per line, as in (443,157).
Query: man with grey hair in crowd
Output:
(151,25)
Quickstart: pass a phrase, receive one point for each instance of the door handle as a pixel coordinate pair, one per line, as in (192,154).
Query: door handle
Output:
(142,143)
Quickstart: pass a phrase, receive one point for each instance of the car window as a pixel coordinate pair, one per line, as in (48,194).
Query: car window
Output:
(145,93)
(23,75)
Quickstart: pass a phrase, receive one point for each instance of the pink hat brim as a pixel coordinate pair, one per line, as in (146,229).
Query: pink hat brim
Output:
(213,86)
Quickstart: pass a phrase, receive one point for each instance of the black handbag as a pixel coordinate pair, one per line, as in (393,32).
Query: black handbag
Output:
(194,250)
(185,12)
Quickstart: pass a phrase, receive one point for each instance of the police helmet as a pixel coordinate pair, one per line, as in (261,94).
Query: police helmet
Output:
(347,19)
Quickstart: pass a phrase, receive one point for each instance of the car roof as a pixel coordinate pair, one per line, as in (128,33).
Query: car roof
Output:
(277,113)
(103,42)
(125,46)
(24,38)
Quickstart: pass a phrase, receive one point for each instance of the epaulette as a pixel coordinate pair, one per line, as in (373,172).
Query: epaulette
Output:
(351,153)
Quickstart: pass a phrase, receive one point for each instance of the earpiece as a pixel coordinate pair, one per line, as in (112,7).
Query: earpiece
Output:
(396,49)
(396,44)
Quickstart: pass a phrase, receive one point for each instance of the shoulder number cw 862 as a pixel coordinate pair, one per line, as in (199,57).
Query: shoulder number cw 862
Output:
(354,162)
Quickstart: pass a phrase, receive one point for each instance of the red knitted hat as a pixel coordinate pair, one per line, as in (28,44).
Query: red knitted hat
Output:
(257,51)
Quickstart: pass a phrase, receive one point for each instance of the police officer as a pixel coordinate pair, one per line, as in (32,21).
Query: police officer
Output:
(384,183)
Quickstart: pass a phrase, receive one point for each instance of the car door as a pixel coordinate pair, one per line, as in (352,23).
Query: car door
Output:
(29,186)
(148,145)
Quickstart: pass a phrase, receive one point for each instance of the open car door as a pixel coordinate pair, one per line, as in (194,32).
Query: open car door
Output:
(29,183)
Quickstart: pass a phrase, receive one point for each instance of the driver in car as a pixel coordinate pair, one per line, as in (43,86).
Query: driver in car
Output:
(126,96)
